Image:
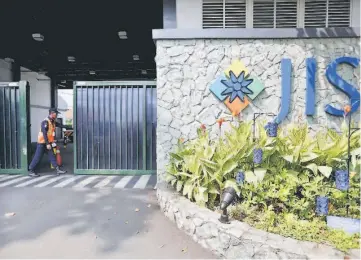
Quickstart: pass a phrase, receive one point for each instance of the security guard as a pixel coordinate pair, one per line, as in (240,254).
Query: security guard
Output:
(46,139)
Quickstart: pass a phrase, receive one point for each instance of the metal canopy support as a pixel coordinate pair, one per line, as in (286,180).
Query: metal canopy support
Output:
(114,127)
(53,91)
(15,72)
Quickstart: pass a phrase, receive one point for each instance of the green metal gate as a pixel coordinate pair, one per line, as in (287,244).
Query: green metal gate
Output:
(14,127)
(115,127)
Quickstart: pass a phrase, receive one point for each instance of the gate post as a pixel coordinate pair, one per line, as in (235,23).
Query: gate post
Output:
(24,108)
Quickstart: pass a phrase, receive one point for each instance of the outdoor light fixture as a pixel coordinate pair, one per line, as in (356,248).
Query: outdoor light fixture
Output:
(71,58)
(92,72)
(135,57)
(122,35)
(144,72)
(38,37)
(229,194)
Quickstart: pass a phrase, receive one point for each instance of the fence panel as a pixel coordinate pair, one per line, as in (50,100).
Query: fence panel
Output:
(115,127)
(14,127)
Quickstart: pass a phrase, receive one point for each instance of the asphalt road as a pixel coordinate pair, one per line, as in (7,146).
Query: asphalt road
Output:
(89,223)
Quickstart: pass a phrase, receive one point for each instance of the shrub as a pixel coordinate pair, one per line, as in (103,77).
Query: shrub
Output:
(296,168)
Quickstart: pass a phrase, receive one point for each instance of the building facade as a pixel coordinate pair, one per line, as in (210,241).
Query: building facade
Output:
(299,56)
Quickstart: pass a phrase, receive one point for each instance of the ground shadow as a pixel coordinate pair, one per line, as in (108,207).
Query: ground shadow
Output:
(109,216)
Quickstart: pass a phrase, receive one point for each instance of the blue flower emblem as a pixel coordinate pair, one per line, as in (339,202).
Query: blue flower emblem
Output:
(237,86)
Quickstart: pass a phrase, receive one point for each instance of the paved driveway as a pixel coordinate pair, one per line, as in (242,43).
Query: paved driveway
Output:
(88,223)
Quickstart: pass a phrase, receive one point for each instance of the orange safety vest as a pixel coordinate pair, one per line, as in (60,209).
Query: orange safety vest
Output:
(51,133)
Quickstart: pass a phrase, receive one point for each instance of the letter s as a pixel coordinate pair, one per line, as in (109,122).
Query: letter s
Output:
(342,85)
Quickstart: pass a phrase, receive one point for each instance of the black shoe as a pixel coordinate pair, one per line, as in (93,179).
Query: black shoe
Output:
(33,174)
(59,171)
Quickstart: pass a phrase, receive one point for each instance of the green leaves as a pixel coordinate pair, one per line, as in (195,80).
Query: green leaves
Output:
(256,176)
(325,170)
(313,168)
(295,168)
(228,166)
(308,157)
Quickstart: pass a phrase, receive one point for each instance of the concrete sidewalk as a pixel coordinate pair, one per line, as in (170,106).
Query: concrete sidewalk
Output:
(89,223)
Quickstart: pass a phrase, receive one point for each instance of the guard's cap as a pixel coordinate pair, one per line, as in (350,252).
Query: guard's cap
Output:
(53,110)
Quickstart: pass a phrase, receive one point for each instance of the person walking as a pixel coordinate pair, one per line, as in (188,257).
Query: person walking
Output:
(46,138)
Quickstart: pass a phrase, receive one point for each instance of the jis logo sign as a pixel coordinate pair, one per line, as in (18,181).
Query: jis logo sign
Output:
(237,88)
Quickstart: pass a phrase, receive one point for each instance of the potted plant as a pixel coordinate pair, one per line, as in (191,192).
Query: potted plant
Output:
(271,129)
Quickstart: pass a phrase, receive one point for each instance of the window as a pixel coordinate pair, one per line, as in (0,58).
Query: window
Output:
(263,14)
(212,14)
(286,13)
(224,13)
(327,13)
(276,13)
(235,14)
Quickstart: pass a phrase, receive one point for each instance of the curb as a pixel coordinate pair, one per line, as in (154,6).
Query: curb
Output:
(237,239)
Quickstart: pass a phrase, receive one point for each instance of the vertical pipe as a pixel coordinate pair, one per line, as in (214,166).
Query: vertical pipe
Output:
(93,159)
(126,127)
(103,137)
(131,131)
(16,126)
(4,124)
(75,127)
(10,138)
(116,126)
(138,110)
(145,128)
(121,126)
(155,127)
(110,126)
(81,128)
(24,127)
(98,108)
(151,128)
(87,127)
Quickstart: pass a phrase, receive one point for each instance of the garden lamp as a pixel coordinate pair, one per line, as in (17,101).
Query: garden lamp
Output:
(229,194)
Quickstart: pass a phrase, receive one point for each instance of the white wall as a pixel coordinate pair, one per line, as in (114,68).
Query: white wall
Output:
(189,14)
(65,103)
(40,100)
(39,94)
(5,71)
(65,99)
(355,15)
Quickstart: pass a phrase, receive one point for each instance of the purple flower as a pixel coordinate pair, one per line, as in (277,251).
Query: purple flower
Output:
(271,129)
(342,180)
(240,178)
(321,205)
(257,155)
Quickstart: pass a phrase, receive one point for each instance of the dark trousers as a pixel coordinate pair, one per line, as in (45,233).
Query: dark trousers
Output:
(40,149)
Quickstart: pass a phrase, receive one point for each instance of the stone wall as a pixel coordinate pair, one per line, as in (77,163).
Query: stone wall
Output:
(238,240)
(186,69)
